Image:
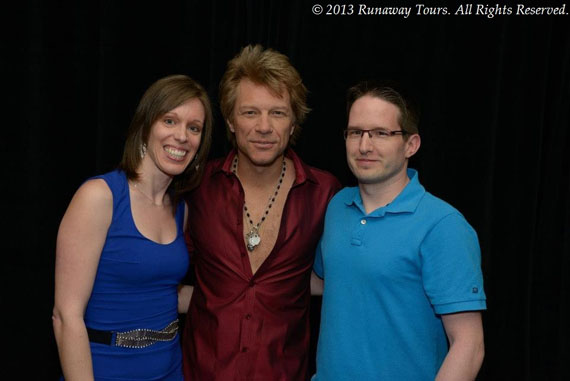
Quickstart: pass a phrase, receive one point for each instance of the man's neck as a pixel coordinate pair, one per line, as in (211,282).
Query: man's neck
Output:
(259,175)
(377,195)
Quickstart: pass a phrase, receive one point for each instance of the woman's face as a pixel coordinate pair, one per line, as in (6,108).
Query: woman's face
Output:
(175,138)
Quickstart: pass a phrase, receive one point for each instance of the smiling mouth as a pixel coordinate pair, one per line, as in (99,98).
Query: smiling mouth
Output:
(363,160)
(174,153)
(262,143)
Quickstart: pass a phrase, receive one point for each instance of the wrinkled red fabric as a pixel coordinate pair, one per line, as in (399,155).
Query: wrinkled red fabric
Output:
(244,326)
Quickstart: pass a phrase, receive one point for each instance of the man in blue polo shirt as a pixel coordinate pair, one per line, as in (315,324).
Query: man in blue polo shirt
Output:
(402,278)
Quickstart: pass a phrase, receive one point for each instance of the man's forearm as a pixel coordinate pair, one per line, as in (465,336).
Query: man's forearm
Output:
(462,362)
(466,346)
(184,296)
(317,284)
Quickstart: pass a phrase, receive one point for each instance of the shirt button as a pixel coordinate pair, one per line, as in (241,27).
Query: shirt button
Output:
(244,349)
(248,316)
(251,283)
(363,221)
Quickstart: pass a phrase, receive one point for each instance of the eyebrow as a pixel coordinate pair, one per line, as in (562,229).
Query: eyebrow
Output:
(370,129)
(257,107)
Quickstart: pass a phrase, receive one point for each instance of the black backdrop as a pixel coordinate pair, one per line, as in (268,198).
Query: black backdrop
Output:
(495,100)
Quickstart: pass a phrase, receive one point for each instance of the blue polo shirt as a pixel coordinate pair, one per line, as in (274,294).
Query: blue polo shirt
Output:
(388,276)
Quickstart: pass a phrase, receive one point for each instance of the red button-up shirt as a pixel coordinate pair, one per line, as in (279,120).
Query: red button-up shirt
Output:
(244,326)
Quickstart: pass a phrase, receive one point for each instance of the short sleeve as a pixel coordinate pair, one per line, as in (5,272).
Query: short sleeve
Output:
(318,265)
(451,266)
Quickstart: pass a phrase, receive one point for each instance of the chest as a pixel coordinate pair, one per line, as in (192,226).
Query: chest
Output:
(262,216)
(154,223)
(217,229)
(132,257)
(375,249)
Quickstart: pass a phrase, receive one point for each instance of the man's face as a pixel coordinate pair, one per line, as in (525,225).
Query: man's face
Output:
(262,123)
(379,160)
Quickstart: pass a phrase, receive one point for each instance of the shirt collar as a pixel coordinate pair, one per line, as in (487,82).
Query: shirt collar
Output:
(406,202)
(302,172)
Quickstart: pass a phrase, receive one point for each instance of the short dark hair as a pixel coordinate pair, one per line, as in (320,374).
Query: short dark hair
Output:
(391,92)
(269,68)
(162,96)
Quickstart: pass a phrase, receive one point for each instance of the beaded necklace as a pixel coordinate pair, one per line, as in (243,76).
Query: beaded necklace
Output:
(252,237)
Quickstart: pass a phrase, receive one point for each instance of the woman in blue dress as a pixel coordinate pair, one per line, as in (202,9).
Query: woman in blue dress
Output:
(120,247)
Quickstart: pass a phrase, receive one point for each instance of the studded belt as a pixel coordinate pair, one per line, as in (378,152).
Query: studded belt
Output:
(136,338)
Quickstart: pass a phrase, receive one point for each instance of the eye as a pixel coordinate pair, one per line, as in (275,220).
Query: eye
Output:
(380,133)
(354,133)
(169,121)
(279,113)
(195,129)
(248,113)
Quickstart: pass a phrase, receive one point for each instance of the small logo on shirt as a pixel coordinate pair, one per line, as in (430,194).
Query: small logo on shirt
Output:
(474,290)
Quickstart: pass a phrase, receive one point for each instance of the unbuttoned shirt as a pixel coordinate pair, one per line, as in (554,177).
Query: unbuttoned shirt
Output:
(240,325)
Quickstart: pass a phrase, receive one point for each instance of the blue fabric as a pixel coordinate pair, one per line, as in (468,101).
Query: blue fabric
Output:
(136,287)
(388,276)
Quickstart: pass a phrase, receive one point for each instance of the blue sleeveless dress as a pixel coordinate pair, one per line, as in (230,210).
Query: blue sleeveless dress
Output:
(136,287)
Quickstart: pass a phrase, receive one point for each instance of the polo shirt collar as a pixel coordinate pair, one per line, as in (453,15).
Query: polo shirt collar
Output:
(302,172)
(406,202)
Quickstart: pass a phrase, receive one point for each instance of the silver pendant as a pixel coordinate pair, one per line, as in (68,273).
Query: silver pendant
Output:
(252,239)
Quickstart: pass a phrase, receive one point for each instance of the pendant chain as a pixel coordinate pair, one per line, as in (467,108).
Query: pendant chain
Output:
(144,194)
(252,237)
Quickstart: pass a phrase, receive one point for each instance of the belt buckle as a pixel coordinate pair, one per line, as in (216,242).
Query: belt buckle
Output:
(142,338)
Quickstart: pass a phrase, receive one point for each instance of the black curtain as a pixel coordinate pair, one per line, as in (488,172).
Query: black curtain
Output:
(495,99)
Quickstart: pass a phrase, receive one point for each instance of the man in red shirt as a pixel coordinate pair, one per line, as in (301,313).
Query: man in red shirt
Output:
(253,227)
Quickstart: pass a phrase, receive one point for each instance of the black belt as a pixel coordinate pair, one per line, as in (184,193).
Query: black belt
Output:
(136,338)
(101,337)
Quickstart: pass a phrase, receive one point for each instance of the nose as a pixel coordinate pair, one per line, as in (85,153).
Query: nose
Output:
(181,133)
(264,125)
(365,144)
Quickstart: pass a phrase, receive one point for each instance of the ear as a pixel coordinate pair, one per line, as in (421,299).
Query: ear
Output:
(412,145)
(230,125)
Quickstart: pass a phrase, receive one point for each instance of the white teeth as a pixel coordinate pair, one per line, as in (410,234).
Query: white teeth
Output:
(175,152)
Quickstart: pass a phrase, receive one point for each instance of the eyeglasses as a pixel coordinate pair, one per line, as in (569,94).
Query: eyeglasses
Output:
(376,134)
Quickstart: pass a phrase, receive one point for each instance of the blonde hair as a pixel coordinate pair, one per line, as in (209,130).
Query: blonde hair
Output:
(269,68)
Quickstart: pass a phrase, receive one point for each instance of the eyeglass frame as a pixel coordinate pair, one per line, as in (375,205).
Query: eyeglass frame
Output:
(369,131)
